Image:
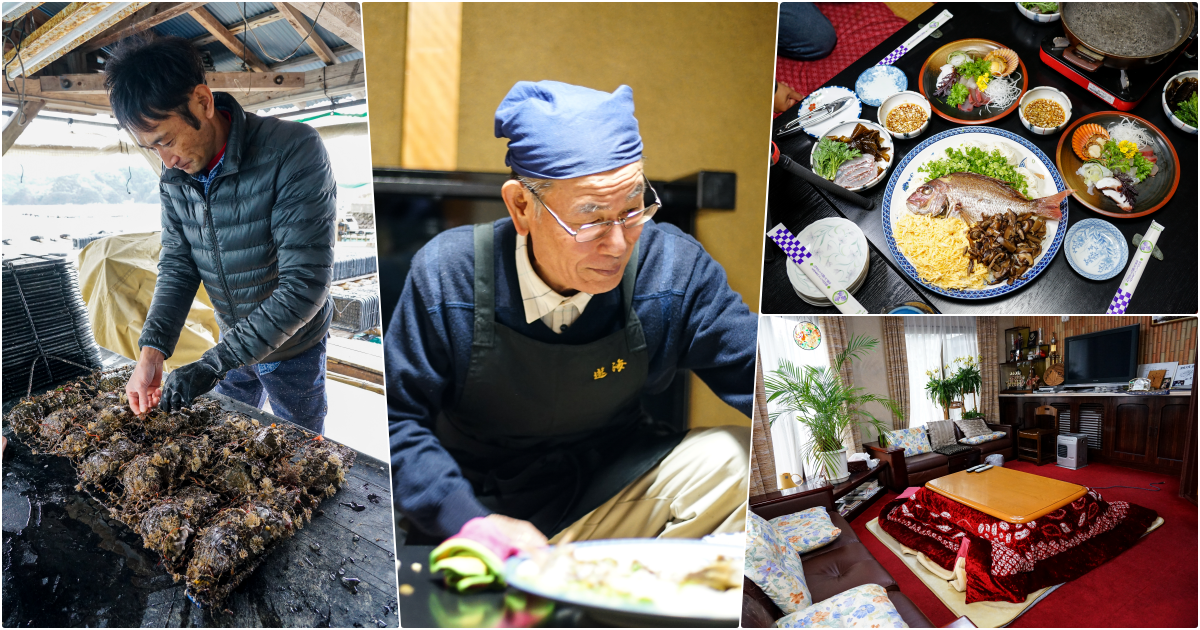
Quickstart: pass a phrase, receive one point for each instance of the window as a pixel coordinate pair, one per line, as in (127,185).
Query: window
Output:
(933,343)
(777,341)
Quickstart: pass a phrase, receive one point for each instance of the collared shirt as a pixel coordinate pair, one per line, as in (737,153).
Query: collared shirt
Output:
(214,167)
(542,302)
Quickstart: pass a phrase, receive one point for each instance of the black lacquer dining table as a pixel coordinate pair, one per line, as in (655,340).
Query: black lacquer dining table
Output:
(1167,286)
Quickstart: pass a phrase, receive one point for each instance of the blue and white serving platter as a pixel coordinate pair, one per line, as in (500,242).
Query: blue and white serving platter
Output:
(822,96)
(905,179)
(658,602)
(1096,249)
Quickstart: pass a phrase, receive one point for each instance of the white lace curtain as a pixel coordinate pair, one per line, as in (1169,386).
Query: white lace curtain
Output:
(934,342)
(776,343)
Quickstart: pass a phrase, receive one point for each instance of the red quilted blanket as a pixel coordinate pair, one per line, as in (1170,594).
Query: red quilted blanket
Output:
(1007,561)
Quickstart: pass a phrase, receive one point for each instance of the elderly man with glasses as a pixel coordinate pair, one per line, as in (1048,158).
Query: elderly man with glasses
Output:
(520,349)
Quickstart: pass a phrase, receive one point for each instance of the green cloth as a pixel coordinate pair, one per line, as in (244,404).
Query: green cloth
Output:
(467,565)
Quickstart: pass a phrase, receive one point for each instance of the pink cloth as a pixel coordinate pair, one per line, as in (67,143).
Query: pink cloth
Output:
(860,26)
(486,533)
(908,493)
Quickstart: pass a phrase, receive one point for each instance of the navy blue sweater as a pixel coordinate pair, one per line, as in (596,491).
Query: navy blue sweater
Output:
(692,320)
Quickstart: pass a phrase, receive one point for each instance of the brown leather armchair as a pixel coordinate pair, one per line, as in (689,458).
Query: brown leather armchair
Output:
(907,471)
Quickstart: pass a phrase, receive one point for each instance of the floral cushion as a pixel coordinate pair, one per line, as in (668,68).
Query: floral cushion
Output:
(913,439)
(865,606)
(980,439)
(807,529)
(972,427)
(774,566)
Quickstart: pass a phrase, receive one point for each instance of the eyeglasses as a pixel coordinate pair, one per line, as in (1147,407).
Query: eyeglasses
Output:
(592,231)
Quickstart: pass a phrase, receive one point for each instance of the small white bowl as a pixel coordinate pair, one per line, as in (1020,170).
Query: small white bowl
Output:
(1052,94)
(1179,124)
(901,98)
(847,128)
(1038,17)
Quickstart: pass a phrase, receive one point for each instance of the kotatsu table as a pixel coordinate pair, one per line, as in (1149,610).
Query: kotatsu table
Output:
(1008,495)
(1167,286)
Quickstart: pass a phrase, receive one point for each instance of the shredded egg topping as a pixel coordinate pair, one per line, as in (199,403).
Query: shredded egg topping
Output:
(934,246)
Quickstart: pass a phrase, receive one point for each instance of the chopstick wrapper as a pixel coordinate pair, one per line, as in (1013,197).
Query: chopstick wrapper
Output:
(1133,274)
(801,255)
(917,37)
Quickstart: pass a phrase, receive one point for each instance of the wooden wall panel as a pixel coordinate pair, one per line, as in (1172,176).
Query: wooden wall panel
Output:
(1175,341)
(433,64)
(385,33)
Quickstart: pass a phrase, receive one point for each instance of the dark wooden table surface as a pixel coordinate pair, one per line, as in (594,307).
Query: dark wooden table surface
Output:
(66,564)
(1167,286)
(426,603)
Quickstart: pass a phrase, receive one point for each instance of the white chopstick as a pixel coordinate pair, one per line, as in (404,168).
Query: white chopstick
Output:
(917,37)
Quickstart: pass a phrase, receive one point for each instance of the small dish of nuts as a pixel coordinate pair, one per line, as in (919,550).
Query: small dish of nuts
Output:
(1044,110)
(904,114)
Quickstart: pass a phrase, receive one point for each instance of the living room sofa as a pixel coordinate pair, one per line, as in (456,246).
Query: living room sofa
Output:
(839,566)
(906,471)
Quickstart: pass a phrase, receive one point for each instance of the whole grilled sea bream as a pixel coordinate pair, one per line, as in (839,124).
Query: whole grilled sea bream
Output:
(977,196)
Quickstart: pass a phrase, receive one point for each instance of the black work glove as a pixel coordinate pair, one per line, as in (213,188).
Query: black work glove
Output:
(183,385)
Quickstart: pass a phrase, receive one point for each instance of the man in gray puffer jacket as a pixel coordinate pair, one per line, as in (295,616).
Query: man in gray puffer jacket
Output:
(249,209)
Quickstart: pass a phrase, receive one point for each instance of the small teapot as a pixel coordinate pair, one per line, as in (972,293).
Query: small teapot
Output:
(786,481)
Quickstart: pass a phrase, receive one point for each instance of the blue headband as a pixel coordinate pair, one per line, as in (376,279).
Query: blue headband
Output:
(559,131)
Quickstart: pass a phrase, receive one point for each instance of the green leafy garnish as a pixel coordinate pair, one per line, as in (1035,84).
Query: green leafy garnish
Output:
(1116,161)
(975,160)
(829,155)
(976,68)
(1187,111)
(1041,7)
(958,95)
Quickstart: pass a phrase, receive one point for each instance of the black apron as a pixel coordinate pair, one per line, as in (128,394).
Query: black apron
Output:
(549,432)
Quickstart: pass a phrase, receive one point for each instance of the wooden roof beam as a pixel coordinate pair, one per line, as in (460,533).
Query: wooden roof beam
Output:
(93,84)
(262,19)
(343,19)
(296,62)
(314,41)
(75,25)
(19,122)
(214,26)
(145,18)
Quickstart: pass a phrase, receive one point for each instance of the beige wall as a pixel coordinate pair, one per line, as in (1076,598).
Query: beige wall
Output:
(702,78)
(871,373)
(385,30)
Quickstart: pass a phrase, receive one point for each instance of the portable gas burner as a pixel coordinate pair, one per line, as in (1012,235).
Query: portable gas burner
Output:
(1121,89)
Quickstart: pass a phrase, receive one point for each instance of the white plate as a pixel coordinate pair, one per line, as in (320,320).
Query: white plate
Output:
(822,96)
(844,130)
(905,179)
(839,247)
(699,606)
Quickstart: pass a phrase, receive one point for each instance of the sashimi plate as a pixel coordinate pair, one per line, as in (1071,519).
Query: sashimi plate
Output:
(651,597)
(905,179)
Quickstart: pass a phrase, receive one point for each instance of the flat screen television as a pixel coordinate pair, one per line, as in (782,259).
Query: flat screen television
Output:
(1104,358)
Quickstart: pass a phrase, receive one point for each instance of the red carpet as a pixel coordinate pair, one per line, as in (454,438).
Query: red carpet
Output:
(1152,585)
(860,26)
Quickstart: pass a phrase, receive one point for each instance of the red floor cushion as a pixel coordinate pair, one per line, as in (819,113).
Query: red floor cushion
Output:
(860,26)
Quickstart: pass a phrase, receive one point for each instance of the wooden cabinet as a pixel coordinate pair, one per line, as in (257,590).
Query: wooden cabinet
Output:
(1147,432)
(1129,431)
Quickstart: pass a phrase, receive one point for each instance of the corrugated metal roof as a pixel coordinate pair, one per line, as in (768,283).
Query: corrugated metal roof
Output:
(268,42)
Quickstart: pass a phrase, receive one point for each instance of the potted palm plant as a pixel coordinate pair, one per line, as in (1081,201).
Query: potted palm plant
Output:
(942,389)
(969,380)
(826,405)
